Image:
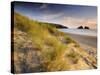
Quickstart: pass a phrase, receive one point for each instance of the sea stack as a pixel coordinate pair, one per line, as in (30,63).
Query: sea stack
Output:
(80,27)
(86,27)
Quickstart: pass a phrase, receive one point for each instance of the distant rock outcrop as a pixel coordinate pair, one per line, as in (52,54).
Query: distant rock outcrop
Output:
(86,27)
(58,25)
(80,27)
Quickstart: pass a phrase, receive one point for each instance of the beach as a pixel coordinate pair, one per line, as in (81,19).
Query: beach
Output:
(84,40)
(87,39)
(82,36)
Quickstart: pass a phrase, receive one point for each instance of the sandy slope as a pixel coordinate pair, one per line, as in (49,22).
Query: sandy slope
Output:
(88,43)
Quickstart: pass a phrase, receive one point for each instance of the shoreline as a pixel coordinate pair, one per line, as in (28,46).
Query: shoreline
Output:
(90,41)
(80,32)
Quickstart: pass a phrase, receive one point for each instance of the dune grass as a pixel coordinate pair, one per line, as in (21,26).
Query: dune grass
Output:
(44,43)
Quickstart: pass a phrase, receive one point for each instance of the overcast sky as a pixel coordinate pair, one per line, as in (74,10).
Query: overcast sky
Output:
(71,16)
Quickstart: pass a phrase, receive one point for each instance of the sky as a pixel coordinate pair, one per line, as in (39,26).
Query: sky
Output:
(71,16)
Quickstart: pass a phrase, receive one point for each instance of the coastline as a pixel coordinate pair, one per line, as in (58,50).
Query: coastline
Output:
(84,39)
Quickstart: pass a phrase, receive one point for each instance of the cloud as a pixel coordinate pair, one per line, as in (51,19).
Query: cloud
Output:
(44,6)
(52,16)
(75,22)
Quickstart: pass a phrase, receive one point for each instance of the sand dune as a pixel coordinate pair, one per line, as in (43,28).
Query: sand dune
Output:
(88,43)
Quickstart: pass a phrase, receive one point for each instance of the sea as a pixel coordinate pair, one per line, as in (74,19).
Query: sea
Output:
(86,32)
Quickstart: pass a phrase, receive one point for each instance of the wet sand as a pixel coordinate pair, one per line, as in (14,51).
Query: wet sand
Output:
(84,40)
